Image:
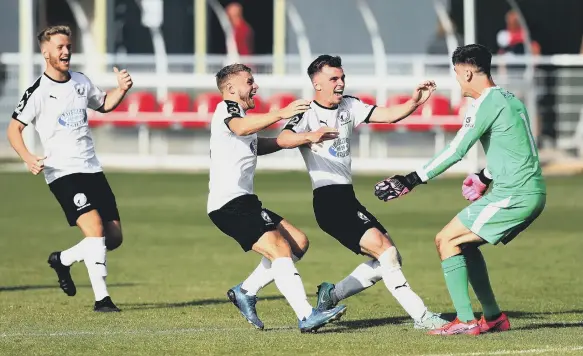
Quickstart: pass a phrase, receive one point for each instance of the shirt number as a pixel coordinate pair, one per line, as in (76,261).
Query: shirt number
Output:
(529,133)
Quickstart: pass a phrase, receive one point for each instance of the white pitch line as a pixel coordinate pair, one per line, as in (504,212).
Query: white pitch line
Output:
(512,352)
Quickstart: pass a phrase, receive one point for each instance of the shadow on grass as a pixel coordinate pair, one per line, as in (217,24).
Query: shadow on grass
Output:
(55,286)
(192,303)
(347,325)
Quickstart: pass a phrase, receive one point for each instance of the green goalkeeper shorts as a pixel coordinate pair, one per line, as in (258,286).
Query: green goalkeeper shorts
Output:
(497,218)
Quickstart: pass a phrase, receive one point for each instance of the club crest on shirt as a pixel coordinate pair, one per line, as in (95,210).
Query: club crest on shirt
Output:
(73,118)
(340,147)
(253,147)
(362,217)
(80,89)
(266,217)
(344,117)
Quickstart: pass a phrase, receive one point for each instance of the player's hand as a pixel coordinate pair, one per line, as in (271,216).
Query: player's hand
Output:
(295,108)
(473,188)
(396,186)
(324,133)
(423,91)
(35,164)
(124,80)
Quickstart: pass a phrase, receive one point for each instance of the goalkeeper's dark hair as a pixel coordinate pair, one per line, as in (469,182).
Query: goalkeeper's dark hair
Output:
(476,55)
(322,61)
(226,72)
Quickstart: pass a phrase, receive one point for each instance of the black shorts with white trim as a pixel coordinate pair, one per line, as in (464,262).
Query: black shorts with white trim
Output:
(341,215)
(245,220)
(79,193)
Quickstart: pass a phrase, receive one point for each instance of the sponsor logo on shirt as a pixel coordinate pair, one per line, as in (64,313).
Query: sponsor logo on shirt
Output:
(73,118)
(340,147)
(469,122)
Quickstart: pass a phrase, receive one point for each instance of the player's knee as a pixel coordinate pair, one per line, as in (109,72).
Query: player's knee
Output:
(90,224)
(113,235)
(302,244)
(441,240)
(113,241)
(374,241)
(272,245)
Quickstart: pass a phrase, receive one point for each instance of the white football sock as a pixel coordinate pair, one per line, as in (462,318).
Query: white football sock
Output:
(289,283)
(95,262)
(261,277)
(364,276)
(75,253)
(398,286)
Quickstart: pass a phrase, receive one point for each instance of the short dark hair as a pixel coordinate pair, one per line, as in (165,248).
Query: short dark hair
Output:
(322,61)
(474,54)
(224,74)
(46,33)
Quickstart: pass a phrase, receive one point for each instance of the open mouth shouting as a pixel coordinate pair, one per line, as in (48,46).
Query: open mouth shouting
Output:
(65,60)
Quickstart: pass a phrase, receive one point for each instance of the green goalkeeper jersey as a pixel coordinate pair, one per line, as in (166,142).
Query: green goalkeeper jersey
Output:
(500,121)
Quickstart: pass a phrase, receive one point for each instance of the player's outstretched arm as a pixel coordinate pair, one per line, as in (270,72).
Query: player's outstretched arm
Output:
(289,139)
(267,145)
(397,185)
(14,132)
(115,96)
(398,112)
(253,123)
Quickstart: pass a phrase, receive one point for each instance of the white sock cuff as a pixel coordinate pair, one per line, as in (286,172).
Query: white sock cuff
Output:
(283,264)
(390,259)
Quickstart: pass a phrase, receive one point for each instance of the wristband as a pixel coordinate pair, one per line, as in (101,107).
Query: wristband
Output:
(483,178)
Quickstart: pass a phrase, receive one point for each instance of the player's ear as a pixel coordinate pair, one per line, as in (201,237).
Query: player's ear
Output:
(230,89)
(468,75)
(317,86)
(44,50)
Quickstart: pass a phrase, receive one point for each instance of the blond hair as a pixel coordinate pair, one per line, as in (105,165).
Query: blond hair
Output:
(45,35)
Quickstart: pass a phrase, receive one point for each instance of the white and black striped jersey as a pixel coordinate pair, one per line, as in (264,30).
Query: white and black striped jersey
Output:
(330,163)
(58,111)
(233,158)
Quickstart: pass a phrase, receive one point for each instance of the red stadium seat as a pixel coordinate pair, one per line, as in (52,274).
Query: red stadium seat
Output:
(436,105)
(207,103)
(367,98)
(137,102)
(176,102)
(279,101)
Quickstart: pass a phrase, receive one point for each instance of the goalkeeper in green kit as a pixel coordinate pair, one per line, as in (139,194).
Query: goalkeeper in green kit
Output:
(518,195)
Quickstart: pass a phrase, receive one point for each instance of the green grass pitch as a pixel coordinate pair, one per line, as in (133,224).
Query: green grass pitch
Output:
(172,272)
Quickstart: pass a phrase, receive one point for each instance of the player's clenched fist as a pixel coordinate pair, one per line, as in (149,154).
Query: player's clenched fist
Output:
(124,80)
(297,107)
(475,185)
(35,164)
